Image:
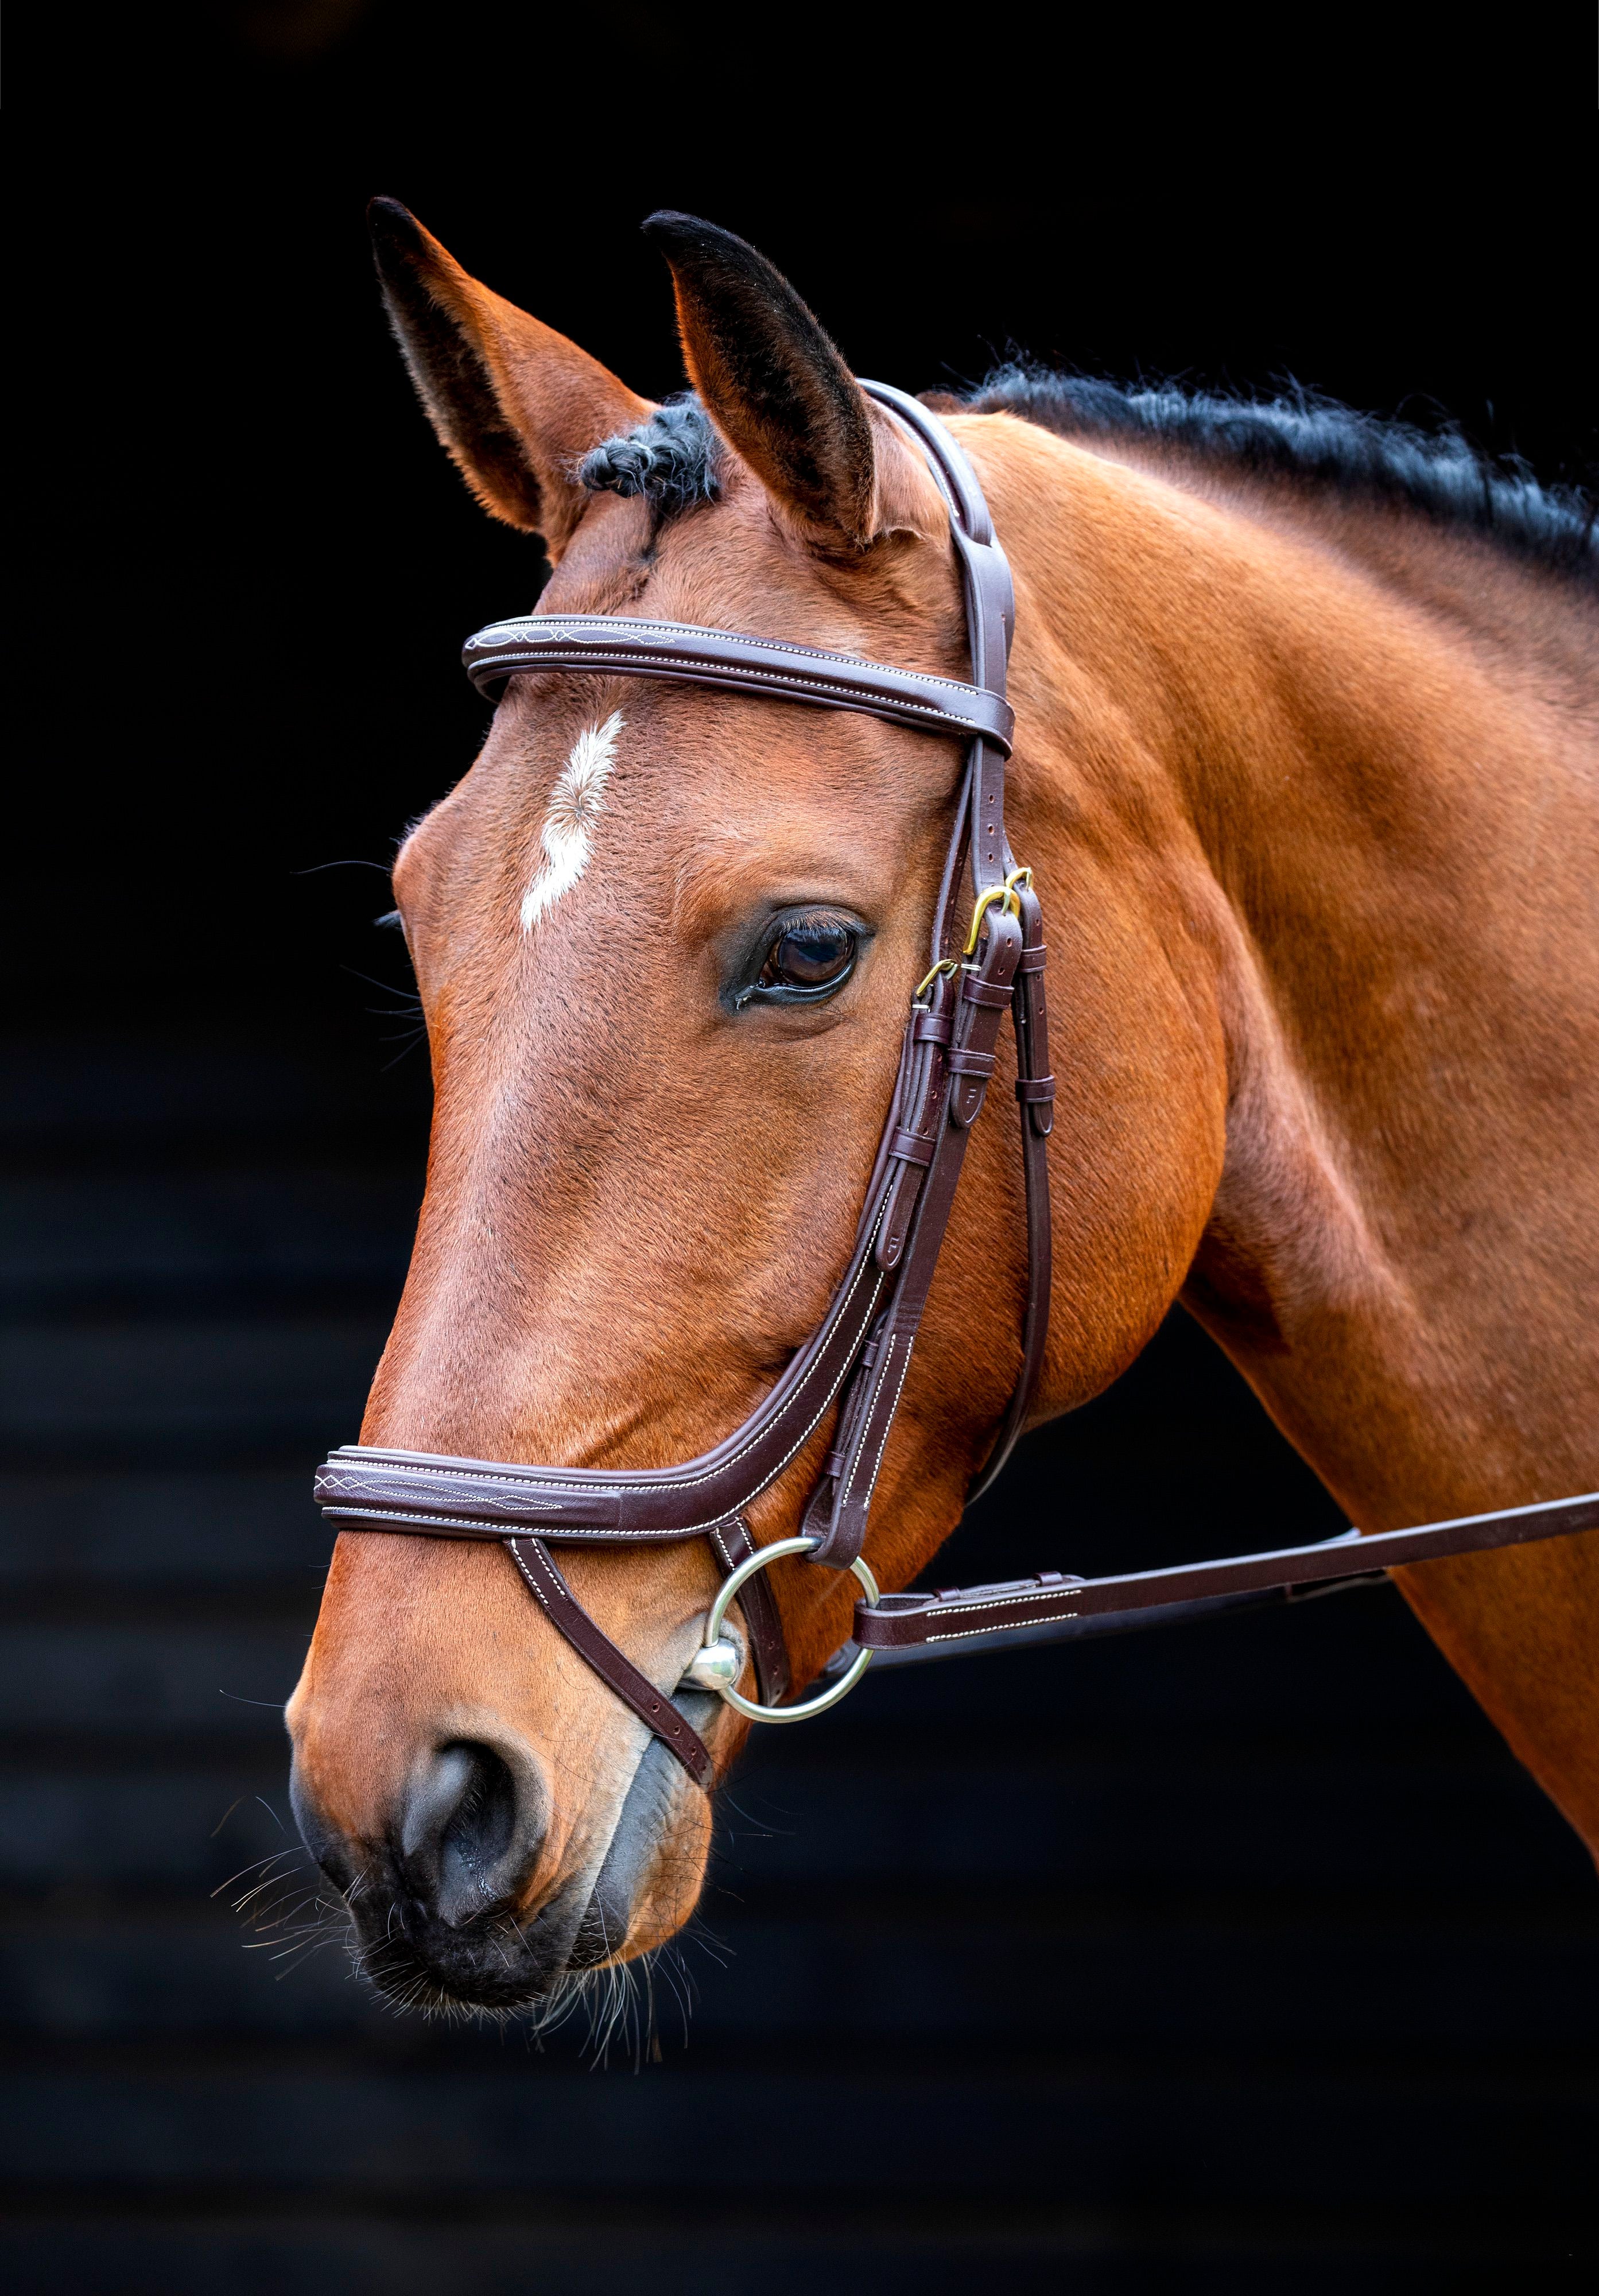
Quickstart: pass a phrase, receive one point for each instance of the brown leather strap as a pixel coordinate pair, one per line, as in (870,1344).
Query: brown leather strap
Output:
(365,1487)
(990,618)
(1036,1092)
(733,1545)
(911,1147)
(691,655)
(838,1509)
(652,1707)
(956,1613)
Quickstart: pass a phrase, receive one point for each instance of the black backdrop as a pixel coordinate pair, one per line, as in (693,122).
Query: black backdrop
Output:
(252,563)
(1243,1956)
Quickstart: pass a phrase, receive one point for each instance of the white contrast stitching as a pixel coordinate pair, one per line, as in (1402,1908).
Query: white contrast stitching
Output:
(534,1588)
(889,1345)
(1006,1627)
(988,1602)
(391,1512)
(889,1423)
(503,1477)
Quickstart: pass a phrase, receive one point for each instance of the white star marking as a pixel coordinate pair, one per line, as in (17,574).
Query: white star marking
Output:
(576,804)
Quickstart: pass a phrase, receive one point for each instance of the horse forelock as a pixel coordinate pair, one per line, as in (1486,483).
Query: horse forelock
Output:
(674,459)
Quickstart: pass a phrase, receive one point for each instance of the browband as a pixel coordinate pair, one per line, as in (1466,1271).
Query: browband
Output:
(730,659)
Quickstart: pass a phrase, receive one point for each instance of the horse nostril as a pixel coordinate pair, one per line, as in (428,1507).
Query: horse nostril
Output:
(462,1844)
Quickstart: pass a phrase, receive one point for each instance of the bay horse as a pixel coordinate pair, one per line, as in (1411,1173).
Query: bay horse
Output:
(1308,729)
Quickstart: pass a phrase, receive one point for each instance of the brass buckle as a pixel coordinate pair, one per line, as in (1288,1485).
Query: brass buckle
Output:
(948,964)
(1006,894)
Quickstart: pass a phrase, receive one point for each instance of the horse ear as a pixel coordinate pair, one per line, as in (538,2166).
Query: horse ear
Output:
(773,379)
(515,404)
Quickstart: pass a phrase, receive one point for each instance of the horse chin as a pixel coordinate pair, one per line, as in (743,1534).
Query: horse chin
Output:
(506,1959)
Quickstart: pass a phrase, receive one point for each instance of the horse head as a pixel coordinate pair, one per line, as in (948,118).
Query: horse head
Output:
(664,939)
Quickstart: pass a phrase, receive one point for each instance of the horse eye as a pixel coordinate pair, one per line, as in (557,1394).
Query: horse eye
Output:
(810,956)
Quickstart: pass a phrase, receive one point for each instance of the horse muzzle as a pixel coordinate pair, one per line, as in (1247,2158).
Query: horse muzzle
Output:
(449,1907)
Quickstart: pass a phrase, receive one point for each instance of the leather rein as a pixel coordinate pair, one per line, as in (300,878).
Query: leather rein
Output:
(858,1357)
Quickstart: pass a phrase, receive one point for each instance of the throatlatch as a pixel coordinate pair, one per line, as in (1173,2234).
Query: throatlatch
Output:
(984,962)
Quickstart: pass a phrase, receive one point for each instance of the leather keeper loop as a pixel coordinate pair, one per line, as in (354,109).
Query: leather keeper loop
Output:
(1031,1088)
(993,993)
(1031,960)
(911,1148)
(932,1028)
(971,1064)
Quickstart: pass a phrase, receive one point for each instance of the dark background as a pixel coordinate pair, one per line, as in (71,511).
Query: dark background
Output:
(1244,1957)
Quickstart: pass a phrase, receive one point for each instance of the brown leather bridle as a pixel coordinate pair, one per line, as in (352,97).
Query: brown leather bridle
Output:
(858,1357)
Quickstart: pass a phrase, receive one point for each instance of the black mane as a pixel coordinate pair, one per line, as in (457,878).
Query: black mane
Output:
(1316,443)
(672,460)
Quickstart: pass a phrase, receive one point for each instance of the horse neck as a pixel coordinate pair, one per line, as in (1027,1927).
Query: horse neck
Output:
(1355,756)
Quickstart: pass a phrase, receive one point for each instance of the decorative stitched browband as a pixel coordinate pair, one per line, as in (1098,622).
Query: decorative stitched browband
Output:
(684,651)
(854,1367)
